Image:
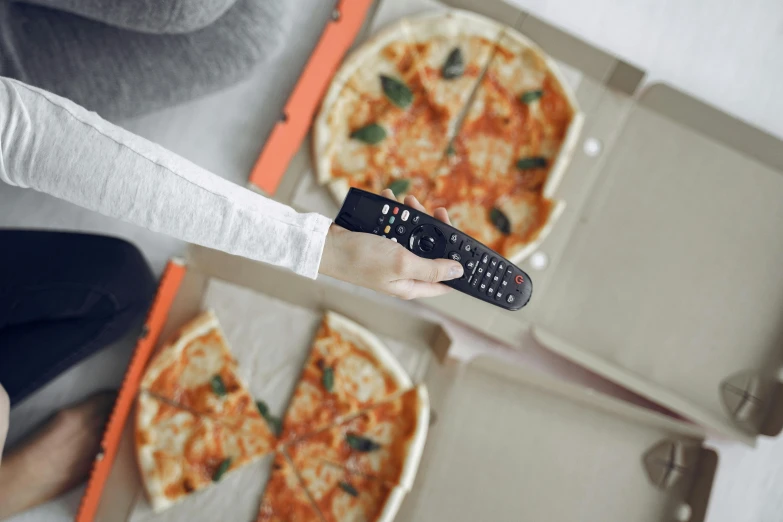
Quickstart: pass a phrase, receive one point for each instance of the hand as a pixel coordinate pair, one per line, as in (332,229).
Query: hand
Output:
(385,266)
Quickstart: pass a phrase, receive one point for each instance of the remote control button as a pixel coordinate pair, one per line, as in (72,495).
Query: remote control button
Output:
(501,266)
(405,215)
(496,278)
(510,298)
(427,243)
(470,278)
(386,230)
(498,295)
(475,282)
(467,247)
(455,256)
(385,210)
(509,271)
(491,291)
(485,259)
(483,286)
(380,220)
(376,230)
(396,209)
(471,265)
(453,239)
(391,220)
(505,282)
(415,220)
(494,262)
(519,279)
(480,270)
(394,239)
(400,230)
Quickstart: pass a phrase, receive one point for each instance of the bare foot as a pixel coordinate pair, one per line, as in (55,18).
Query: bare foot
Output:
(56,458)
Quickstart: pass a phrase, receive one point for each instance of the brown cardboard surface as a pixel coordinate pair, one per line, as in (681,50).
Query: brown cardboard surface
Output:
(504,444)
(662,271)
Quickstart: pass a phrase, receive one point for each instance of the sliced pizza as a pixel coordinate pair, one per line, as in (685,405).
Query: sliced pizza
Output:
(349,369)
(342,496)
(452,52)
(285,499)
(384,442)
(197,371)
(180,452)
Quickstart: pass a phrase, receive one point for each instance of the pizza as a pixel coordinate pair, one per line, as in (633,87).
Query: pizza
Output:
(486,130)
(355,426)
(285,499)
(342,496)
(349,369)
(197,371)
(180,452)
(384,442)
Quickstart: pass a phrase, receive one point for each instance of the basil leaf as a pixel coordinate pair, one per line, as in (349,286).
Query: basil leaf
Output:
(275,424)
(221,470)
(327,379)
(450,151)
(534,162)
(397,92)
(263,409)
(529,97)
(349,489)
(371,134)
(218,386)
(399,186)
(454,66)
(500,220)
(361,444)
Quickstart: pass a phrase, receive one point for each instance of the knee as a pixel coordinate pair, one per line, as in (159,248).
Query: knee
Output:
(5,413)
(132,282)
(187,16)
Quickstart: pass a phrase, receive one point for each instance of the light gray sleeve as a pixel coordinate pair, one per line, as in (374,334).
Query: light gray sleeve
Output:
(52,145)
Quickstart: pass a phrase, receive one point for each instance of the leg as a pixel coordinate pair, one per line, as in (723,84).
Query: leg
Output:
(120,73)
(62,298)
(146,16)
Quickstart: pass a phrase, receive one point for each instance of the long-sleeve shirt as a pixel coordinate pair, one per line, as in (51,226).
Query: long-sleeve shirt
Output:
(54,146)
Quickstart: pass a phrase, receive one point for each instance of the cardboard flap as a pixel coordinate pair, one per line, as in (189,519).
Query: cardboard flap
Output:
(672,274)
(513,445)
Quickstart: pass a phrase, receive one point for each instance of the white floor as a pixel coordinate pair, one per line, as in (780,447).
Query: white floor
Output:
(723,51)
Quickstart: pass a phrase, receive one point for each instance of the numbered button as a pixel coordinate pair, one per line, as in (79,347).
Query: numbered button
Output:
(501,267)
(498,295)
(483,286)
(491,291)
(496,278)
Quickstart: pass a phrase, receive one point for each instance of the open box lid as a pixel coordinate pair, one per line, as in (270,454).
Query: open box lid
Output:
(661,274)
(504,442)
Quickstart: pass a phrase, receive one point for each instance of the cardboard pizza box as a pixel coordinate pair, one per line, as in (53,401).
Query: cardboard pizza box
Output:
(662,273)
(504,444)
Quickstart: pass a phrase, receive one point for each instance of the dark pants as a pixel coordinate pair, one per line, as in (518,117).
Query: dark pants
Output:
(63,297)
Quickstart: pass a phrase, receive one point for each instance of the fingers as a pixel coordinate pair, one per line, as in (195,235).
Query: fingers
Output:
(410,266)
(410,289)
(412,202)
(441,215)
(388,194)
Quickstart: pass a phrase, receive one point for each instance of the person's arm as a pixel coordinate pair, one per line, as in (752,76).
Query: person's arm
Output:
(52,145)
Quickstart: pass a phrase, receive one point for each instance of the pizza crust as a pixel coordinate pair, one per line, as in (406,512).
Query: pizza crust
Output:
(171,352)
(367,340)
(521,253)
(453,22)
(339,188)
(419,438)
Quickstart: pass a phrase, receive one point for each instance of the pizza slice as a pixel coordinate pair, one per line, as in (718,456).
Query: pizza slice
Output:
(197,371)
(349,369)
(180,452)
(285,499)
(452,52)
(384,442)
(342,496)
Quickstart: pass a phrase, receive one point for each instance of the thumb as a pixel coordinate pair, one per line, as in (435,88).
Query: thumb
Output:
(434,270)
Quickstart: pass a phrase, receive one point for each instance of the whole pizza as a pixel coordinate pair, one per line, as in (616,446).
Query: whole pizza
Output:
(460,111)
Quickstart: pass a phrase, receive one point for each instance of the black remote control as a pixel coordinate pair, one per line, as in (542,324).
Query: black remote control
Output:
(488,276)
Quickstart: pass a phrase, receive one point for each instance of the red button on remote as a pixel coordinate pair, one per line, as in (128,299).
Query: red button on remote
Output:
(519,279)
(396,210)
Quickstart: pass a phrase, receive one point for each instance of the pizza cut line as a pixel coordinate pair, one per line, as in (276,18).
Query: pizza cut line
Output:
(487,132)
(191,433)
